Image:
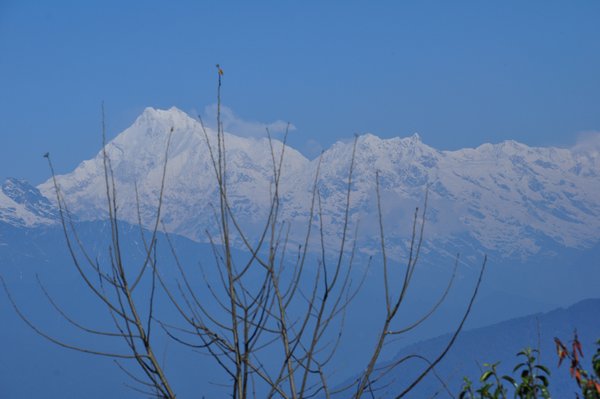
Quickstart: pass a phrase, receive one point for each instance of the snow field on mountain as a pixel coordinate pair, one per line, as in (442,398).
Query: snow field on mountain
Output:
(508,197)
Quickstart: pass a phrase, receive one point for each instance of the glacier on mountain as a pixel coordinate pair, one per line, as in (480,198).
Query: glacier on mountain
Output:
(508,197)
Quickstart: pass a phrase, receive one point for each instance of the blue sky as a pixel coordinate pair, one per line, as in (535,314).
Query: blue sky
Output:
(458,73)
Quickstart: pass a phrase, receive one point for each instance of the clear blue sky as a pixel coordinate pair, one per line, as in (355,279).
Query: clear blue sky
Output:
(458,73)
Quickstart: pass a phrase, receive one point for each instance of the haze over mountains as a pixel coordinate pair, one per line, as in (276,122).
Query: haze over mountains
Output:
(536,211)
(500,343)
(506,198)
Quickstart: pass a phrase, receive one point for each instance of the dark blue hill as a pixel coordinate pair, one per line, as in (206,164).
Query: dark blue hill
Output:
(498,342)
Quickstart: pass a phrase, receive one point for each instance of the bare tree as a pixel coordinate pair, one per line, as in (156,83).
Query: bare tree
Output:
(113,283)
(272,321)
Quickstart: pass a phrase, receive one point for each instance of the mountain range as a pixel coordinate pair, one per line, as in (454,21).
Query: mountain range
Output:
(504,198)
(535,211)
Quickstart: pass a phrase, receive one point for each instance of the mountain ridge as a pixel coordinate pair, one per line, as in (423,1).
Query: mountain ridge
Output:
(505,197)
(497,342)
(23,205)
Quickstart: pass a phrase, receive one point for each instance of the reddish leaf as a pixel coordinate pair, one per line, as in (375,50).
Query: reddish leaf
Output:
(559,344)
(560,359)
(561,349)
(576,345)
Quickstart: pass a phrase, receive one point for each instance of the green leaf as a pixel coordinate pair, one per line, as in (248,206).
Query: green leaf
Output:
(510,380)
(486,375)
(543,368)
(518,366)
(543,379)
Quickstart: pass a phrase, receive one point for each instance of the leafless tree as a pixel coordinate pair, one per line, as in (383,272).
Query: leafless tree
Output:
(272,321)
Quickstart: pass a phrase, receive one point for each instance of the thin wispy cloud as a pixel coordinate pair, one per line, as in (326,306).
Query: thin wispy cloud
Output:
(312,148)
(587,141)
(232,123)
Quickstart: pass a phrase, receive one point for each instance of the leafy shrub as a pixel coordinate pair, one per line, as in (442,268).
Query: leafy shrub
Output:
(532,381)
(589,382)
(532,378)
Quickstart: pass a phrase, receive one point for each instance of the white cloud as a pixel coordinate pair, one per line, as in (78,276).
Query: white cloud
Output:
(587,142)
(240,127)
(312,148)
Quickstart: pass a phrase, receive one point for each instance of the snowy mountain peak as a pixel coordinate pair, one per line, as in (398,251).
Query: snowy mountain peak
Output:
(369,145)
(173,115)
(138,158)
(22,204)
(155,124)
(415,137)
(507,197)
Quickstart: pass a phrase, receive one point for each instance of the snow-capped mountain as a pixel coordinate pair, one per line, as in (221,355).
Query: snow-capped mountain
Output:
(190,199)
(23,205)
(508,197)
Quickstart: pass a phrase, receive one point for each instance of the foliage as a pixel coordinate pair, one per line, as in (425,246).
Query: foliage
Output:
(588,382)
(531,382)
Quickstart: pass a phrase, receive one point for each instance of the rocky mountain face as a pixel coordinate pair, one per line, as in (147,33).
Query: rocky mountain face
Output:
(507,197)
(23,205)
